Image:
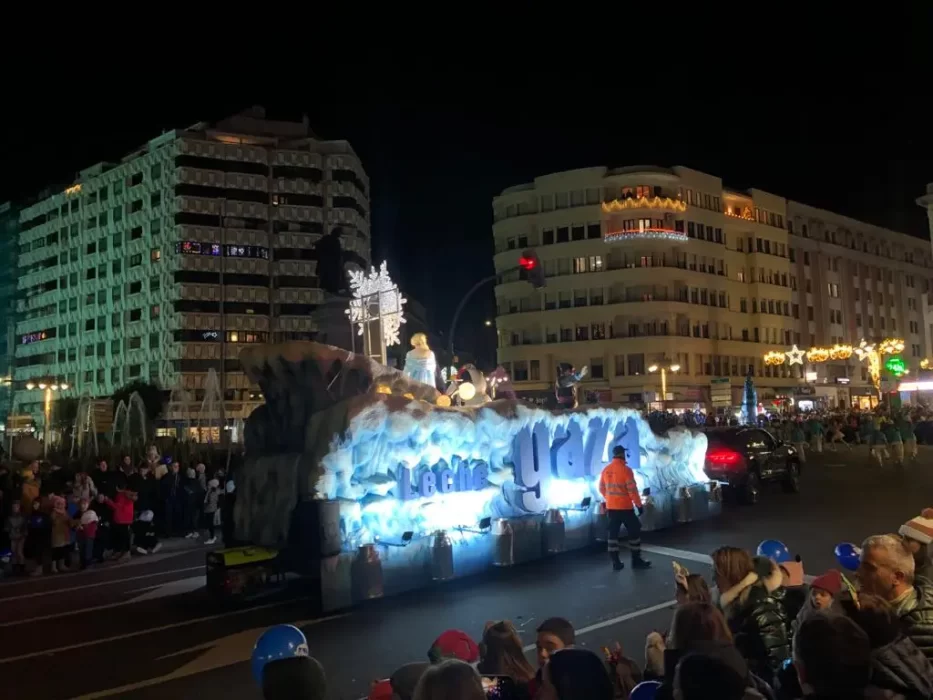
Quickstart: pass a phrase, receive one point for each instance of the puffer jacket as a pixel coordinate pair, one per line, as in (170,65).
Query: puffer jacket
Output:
(902,668)
(916,616)
(758,623)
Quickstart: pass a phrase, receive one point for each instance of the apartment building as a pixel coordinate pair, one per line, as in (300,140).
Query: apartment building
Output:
(651,267)
(9,246)
(160,267)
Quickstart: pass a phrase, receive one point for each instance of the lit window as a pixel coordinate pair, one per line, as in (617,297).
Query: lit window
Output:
(155,255)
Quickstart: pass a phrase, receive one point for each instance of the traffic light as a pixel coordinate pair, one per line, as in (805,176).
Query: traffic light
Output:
(530,269)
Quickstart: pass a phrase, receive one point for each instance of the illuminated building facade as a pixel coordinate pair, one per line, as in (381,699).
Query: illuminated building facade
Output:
(650,267)
(9,246)
(160,267)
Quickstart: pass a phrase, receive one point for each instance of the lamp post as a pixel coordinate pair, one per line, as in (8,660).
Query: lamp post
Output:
(664,368)
(48,386)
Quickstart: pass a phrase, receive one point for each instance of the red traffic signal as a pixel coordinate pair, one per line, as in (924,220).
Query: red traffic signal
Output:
(530,269)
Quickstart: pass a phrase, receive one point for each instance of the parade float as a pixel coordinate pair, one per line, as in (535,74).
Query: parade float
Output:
(372,483)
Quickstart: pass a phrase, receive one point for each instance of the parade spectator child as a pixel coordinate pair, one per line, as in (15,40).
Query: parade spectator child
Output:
(38,531)
(61,535)
(893,436)
(554,634)
(823,593)
(15,528)
(211,516)
(146,541)
(122,507)
(88,521)
(879,447)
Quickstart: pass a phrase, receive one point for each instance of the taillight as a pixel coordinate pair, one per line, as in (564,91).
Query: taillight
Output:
(723,457)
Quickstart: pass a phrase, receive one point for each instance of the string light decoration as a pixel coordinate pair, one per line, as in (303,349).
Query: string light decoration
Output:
(774,358)
(661,234)
(794,356)
(891,346)
(840,352)
(737,213)
(390,301)
(817,354)
(644,203)
(864,349)
(925,363)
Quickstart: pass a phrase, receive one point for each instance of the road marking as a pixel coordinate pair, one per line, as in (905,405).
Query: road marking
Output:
(163,590)
(616,620)
(140,633)
(96,585)
(226,651)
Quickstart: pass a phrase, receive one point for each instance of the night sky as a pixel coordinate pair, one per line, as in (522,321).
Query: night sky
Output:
(435,157)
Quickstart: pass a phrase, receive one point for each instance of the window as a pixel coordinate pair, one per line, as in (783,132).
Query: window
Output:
(135,287)
(582,333)
(135,315)
(89,324)
(535,374)
(154,283)
(619,365)
(91,273)
(136,232)
(117,213)
(577,233)
(155,200)
(133,343)
(579,265)
(547,236)
(594,231)
(154,311)
(115,267)
(809,313)
(596,368)
(136,260)
(155,255)
(598,331)
(563,234)
(135,370)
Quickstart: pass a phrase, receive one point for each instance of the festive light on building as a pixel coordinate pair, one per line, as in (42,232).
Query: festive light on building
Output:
(774,358)
(74,189)
(390,301)
(644,203)
(817,354)
(661,234)
(738,213)
(925,363)
(794,356)
(891,346)
(896,365)
(840,352)
(864,349)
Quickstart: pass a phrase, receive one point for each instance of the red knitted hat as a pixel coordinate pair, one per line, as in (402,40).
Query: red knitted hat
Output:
(831,582)
(454,644)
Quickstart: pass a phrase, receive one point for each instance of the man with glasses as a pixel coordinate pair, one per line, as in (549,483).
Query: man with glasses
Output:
(887,570)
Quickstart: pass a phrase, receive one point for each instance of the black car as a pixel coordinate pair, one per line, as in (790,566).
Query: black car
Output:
(746,457)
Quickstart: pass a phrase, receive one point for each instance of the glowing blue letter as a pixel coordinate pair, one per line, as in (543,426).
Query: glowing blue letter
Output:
(428,483)
(445,480)
(480,476)
(567,453)
(403,490)
(532,466)
(594,453)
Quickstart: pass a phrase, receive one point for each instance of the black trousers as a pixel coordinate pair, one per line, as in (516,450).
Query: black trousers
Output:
(629,518)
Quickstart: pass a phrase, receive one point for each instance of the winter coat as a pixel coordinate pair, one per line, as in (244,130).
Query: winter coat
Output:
(170,486)
(122,508)
(15,526)
(89,521)
(916,616)
(61,529)
(901,667)
(86,490)
(727,654)
(758,622)
(925,569)
(211,500)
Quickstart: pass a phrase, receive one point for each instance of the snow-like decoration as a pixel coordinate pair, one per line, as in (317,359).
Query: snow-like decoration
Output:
(364,286)
(387,468)
(339,426)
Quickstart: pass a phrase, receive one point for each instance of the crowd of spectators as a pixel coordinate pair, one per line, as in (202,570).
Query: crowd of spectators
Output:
(755,630)
(58,519)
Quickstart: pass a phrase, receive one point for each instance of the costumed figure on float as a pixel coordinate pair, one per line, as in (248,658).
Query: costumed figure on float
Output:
(499,385)
(420,363)
(565,388)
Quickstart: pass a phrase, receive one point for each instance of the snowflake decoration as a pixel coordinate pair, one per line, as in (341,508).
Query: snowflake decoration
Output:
(364,287)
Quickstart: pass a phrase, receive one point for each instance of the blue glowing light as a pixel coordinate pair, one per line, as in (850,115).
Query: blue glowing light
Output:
(491,464)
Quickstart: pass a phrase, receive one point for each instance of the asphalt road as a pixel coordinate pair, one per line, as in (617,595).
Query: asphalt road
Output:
(147,630)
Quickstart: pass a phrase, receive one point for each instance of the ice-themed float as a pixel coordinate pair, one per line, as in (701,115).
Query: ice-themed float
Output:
(371,483)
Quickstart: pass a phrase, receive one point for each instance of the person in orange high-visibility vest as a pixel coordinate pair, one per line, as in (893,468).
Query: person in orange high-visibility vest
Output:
(617,486)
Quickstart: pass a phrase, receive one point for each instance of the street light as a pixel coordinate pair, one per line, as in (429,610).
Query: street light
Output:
(664,368)
(48,385)
(488,323)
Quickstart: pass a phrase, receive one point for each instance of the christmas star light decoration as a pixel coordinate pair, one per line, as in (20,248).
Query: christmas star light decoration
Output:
(794,356)
(864,349)
(366,286)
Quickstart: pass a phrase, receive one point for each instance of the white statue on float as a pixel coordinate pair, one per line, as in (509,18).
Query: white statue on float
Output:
(420,363)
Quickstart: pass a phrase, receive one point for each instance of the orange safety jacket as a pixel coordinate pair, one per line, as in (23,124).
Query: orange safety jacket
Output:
(617,486)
